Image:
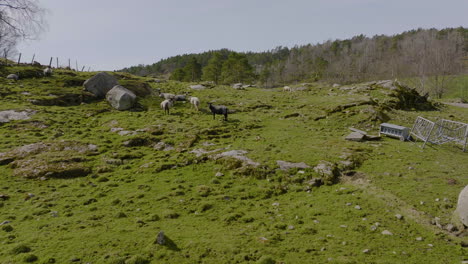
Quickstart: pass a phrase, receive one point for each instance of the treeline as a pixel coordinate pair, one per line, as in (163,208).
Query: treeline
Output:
(431,55)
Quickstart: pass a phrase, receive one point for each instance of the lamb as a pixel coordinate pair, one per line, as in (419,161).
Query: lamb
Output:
(219,109)
(195,102)
(166,104)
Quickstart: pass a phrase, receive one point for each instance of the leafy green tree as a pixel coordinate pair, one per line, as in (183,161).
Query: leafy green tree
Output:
(193,71)
(212,71)
(237,69)
(178,75)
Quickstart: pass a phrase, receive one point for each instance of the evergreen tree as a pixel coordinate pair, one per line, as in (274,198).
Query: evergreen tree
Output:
(237,69)
(192,70)
(212,71)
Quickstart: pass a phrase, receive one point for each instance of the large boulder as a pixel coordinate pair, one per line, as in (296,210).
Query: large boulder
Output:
(462,206)
(100,84)
(121,98)
(12,77)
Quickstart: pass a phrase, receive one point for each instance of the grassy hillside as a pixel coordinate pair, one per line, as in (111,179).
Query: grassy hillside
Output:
(98,185)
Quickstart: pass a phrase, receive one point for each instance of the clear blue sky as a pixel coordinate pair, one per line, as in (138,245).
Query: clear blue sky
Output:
(112,34)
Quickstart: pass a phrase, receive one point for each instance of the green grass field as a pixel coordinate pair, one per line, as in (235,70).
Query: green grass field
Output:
(220,210)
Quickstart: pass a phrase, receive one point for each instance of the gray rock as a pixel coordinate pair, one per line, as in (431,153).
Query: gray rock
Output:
(365,251)
(100,84)
(238,154)
(237,86)
(161,239)
(219,174)
(327,169)
(121,98)
(284,165)
(10,115)
(462,206)
(399,216)
(12,77)
(450,228)
(387,233)
(197,87)
(355,136)
(357,207)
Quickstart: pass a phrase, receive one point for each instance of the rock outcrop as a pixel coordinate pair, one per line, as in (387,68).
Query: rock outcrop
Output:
(100,84)
(462,206)
(121,98)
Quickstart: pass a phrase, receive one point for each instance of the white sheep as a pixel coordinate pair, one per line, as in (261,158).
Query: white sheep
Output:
(47,71)
(166,104)
(195,102)
(286,89)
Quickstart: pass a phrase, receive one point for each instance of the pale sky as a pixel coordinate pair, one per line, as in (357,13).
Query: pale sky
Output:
(113,34)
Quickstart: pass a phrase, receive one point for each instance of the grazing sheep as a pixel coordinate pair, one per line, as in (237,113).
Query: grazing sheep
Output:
(180,97)
(47,71)
(166,104)
(219,109)
(167,96)
(287,89)
(195,102)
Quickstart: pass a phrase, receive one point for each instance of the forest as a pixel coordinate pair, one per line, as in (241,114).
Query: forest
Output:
(430,57)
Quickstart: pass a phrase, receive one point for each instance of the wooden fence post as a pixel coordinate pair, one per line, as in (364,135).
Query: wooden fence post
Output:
(69,64)
(32,61)
(50,62)
(57,62)
(19,58)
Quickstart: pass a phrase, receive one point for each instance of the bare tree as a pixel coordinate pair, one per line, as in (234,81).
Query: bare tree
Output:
(19,20)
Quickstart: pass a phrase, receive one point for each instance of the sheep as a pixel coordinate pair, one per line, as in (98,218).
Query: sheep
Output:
(166,104)
(167,96)
(47,71)
(287,89)
(181,97)
(219,109)
(195,102)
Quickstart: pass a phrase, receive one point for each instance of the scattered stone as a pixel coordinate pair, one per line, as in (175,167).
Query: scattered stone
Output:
(373,227)
(349,204)
(275,204)
(419,239)
(399,216)
(291,227)
(430,245)
(358,130)
(357,207)
(54,214)
(436,222)
(284,165)
(197,87)
(100,84)
(316,221)
(329,171)
(263,239)
(10,115)
(355,136)
(219,174)
(239,155)
(462,206)
(365,251)
(5,222)
(4,197)
(387,233)
(121,98)
(451,228)
(163,146)
(160,239)
(343,226)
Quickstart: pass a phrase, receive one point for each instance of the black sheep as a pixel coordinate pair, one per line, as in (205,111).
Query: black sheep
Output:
(219,109)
